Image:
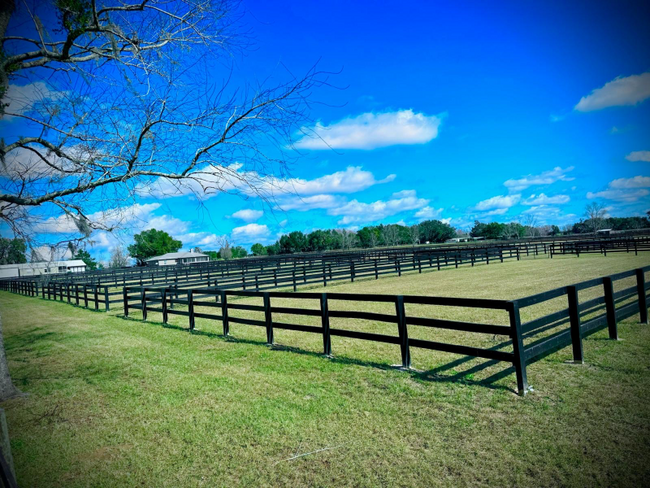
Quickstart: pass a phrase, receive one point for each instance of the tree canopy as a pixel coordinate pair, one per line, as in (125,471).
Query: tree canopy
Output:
(151,243)
(91,263)
(12,251)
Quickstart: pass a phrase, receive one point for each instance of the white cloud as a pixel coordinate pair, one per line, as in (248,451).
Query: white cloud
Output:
(542,199)
(356,211)
(250,232)
(638,156)
(620,91)
(545,178)
(22,98)
(303,204)
(496,211)
(547,214)
(636,182)
(427,213)
(372,130)
(205,240)
(499,202)
(620,195)
(624,189)
(212,180)
(248,215)
(139,214)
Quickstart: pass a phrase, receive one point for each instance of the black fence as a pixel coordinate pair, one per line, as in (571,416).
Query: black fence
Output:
(603,311)
(259,265)
(600,246)
(289,277)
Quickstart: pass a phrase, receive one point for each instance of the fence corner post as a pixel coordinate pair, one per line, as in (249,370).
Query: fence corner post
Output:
(574,318)
(518,348)
(106,300)
(643,303)
(403,332)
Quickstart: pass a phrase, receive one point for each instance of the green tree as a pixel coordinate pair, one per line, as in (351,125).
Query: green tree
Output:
(213,255)
(258,249)
(12,251)
(273,249)
(91,264)
(435,231)
(152,242)
(239,252)
(293,242)
(318,241)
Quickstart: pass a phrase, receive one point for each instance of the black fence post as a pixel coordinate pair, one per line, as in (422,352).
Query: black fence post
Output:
(165,315)
(224,313)
(268,318)
(640,288)
(96,297)
(325,320)
(574,318)
(190,307)
(293,274)
(143,301)
(107,302)
(518,348)
(85,295)
(610,308)
(403,332)
(125,297)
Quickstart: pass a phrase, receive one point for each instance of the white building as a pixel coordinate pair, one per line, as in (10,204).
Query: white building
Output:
(41,268)
(173,258)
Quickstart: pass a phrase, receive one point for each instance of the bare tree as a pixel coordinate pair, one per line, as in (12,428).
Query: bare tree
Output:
(414,234)
(530,225)
(595,213)
(348,238)
(119,258)
(131,107)
(391,235)
(225,251)
(374,239)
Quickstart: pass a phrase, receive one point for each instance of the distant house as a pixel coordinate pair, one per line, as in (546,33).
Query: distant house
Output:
(604,232)
(173,258)
(42,268)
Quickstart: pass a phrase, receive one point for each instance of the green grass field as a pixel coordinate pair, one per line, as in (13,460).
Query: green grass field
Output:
(117,402)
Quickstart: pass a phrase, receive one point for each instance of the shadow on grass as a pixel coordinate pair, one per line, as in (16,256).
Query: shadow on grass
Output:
(432,375)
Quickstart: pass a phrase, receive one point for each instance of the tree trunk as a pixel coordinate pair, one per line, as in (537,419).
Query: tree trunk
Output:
(7,388)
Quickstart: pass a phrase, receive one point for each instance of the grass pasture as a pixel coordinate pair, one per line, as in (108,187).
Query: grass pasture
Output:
(115,402)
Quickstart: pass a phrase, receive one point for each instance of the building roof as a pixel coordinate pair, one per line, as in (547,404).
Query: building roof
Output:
(73,263)
(177,255)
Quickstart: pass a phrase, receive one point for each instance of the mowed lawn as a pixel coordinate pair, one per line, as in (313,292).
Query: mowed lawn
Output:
(117,402)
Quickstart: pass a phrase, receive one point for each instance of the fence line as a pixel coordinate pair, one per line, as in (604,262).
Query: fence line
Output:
(613,304)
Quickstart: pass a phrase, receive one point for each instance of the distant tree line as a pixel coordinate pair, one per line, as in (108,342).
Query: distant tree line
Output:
(152,242)
(367,237)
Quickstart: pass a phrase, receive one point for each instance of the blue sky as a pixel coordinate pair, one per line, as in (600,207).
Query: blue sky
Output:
(456,111)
